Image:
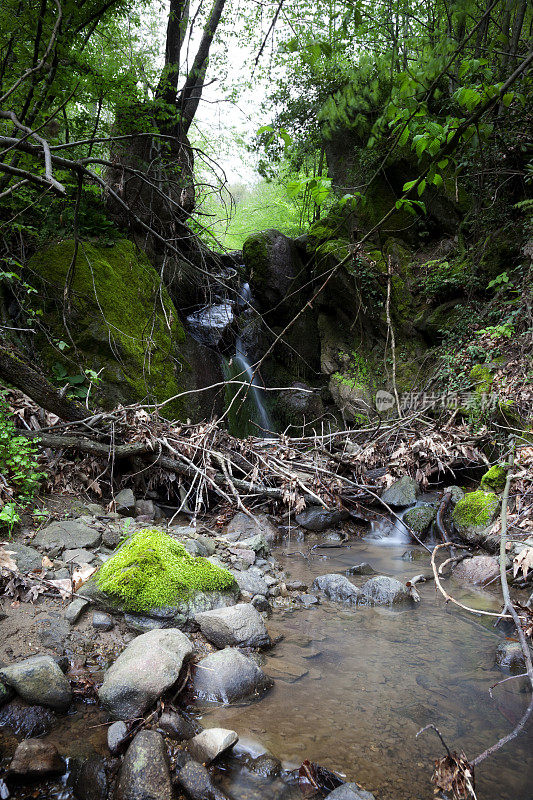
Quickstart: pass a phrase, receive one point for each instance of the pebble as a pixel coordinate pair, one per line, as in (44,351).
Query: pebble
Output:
(102,621)
(75,609)
(209,744)
(117,734)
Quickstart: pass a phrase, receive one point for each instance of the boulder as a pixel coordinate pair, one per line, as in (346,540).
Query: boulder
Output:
(349,791)
(473,516)
(27,721)
(361,569)
(384,591)
(228,676)
(78,556)
(315,518)
(175,725)
(240,626)
(117,735)
(265,765)
(69,534)
(145,772)
(39,680)
(102,621)
(251,581)
(274,266)
(402,492)
(477,570)
(34,758)
(125,501)
(148,666)
(90,781)
(420,517)
(209,744)
(510,658)
(337,587)
(26,558)
(211,326)
(197,783)
(241,527)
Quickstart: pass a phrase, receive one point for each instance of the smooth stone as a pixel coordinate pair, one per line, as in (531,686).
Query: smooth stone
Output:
(510,658)
(246,556)
(240,625)
(315,518)
(251,581)
(196,781)
(337,587)
(308,600)
(361,569)
(145,772)
(117,735)
(384,591)
(91,781)
(420,517)
(78,556)
(70,534)
(34,758)
(229,676)
(75,609)
(143,623)
(173,724)
(25,720)
(260,602)
(401,493)
(349,791)
(39,680)
(242,527)
(209,744)
(295,586)
(125,501)
(148,666)
(26,558)
(145,508)
(477,570)
(103,621)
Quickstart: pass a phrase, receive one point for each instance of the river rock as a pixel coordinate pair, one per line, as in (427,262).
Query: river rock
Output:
(173,724)
(78,556)
(25,720)
(456,493)
(384,591)
(34,758)
(6,693)
(473,517)
(242,527)
(361,569)
(117,734)
(209,744)
(145,772)
(510,658)
(251,580)
(477,570)
(211,324)
(125,501)
(39,680)
(402,492)
(349,791)
(260,602)
(228,676)
(26,558)
(240,626)
(196,781)
(90,782)
(102,621)
(265,765)
(420,517)
(315,518)
(337,587)
(148,666)
(70,534)
(75,609)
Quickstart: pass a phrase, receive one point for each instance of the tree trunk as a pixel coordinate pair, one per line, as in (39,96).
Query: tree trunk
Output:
(17,372)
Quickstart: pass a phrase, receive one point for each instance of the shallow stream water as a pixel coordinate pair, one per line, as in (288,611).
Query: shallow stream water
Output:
(353,686)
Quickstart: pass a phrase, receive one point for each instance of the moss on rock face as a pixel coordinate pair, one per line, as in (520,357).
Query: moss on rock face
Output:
(481,376)
(121,319)
(476,510)
(494,480)
(153,570)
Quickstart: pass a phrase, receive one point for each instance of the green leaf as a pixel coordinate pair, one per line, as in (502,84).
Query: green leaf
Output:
(437,180)
(404,137)
(508,99)
(409,185)
(421,188)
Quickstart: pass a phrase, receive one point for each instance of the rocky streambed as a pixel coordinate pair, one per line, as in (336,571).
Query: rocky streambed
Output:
(316,652)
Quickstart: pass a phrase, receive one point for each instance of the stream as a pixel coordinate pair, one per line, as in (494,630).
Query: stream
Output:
(353,687)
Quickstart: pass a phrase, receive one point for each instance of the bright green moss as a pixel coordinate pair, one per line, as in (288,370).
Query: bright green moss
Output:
(152,570)
(476,509)
(481,376)
(494,479)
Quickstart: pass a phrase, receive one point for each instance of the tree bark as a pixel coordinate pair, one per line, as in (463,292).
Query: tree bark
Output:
(17,372)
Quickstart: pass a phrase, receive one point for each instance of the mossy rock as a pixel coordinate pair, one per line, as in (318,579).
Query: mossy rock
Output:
(481,377)
(152,570)
(494,480)
(119,322)
(473,516)
(275,268)
(421,517)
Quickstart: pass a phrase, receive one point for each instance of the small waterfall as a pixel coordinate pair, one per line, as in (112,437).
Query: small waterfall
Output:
(255,388)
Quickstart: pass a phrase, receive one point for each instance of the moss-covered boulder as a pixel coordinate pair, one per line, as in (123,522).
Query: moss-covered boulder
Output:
(420,517)
(473,517)
(275,268)
(494,479)
(117,320)
(152,571)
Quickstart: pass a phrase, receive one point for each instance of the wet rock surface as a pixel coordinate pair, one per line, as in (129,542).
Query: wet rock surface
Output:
(228,676)
(145,772)
(117,734)
(240,625)
(39,680)
(90,782)
(478,570)
(26,720)
(349,791)
(196,781)
(510,658)
(319,519)
(209,744)
(148,666)
(175,725)
(337,588)
(34,758)
(385,591)
(401,493)
(421,517)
